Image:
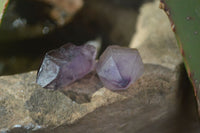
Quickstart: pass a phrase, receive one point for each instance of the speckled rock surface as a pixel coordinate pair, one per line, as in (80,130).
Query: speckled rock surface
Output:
(25,105)
(157,103)
(154,38)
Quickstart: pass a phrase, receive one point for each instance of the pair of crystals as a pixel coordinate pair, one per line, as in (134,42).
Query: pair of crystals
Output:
(118,67)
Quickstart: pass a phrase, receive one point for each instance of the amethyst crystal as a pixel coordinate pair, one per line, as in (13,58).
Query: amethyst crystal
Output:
(119,67)
(63,66)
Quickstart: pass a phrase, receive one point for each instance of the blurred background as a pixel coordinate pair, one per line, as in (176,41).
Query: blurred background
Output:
(29,28)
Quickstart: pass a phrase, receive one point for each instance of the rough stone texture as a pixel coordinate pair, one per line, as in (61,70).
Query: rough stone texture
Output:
(157,104)
(154,38)
(26,106)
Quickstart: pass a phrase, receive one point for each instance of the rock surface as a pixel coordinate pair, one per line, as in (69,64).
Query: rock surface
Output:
(159,104)
(154,38)
(25,105)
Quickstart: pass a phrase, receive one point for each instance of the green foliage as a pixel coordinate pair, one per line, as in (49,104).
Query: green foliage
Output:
(3,5)
(184,16)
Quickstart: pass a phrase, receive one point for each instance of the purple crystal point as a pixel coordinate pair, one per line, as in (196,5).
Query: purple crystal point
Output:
(119,67)
(66,64)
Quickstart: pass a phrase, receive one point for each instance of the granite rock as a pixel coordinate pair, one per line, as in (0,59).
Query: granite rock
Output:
(157,101)
(25,105)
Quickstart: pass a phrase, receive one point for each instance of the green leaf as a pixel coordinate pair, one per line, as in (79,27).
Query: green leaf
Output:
(3,5)
(184,16)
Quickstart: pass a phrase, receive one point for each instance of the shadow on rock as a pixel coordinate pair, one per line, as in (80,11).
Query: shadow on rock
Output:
(167,109)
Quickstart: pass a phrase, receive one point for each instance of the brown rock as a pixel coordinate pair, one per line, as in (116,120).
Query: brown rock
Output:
(25,106)
(154,38)
(159,105)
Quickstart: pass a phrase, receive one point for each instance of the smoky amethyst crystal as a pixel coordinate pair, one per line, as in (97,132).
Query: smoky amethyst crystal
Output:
(66,64)
(119,67)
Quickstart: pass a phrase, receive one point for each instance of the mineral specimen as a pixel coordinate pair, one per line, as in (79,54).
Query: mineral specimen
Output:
(66,64)
(119,67)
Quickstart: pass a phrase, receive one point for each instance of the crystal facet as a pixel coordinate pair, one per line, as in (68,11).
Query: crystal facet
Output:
(66,64)
(119,67)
